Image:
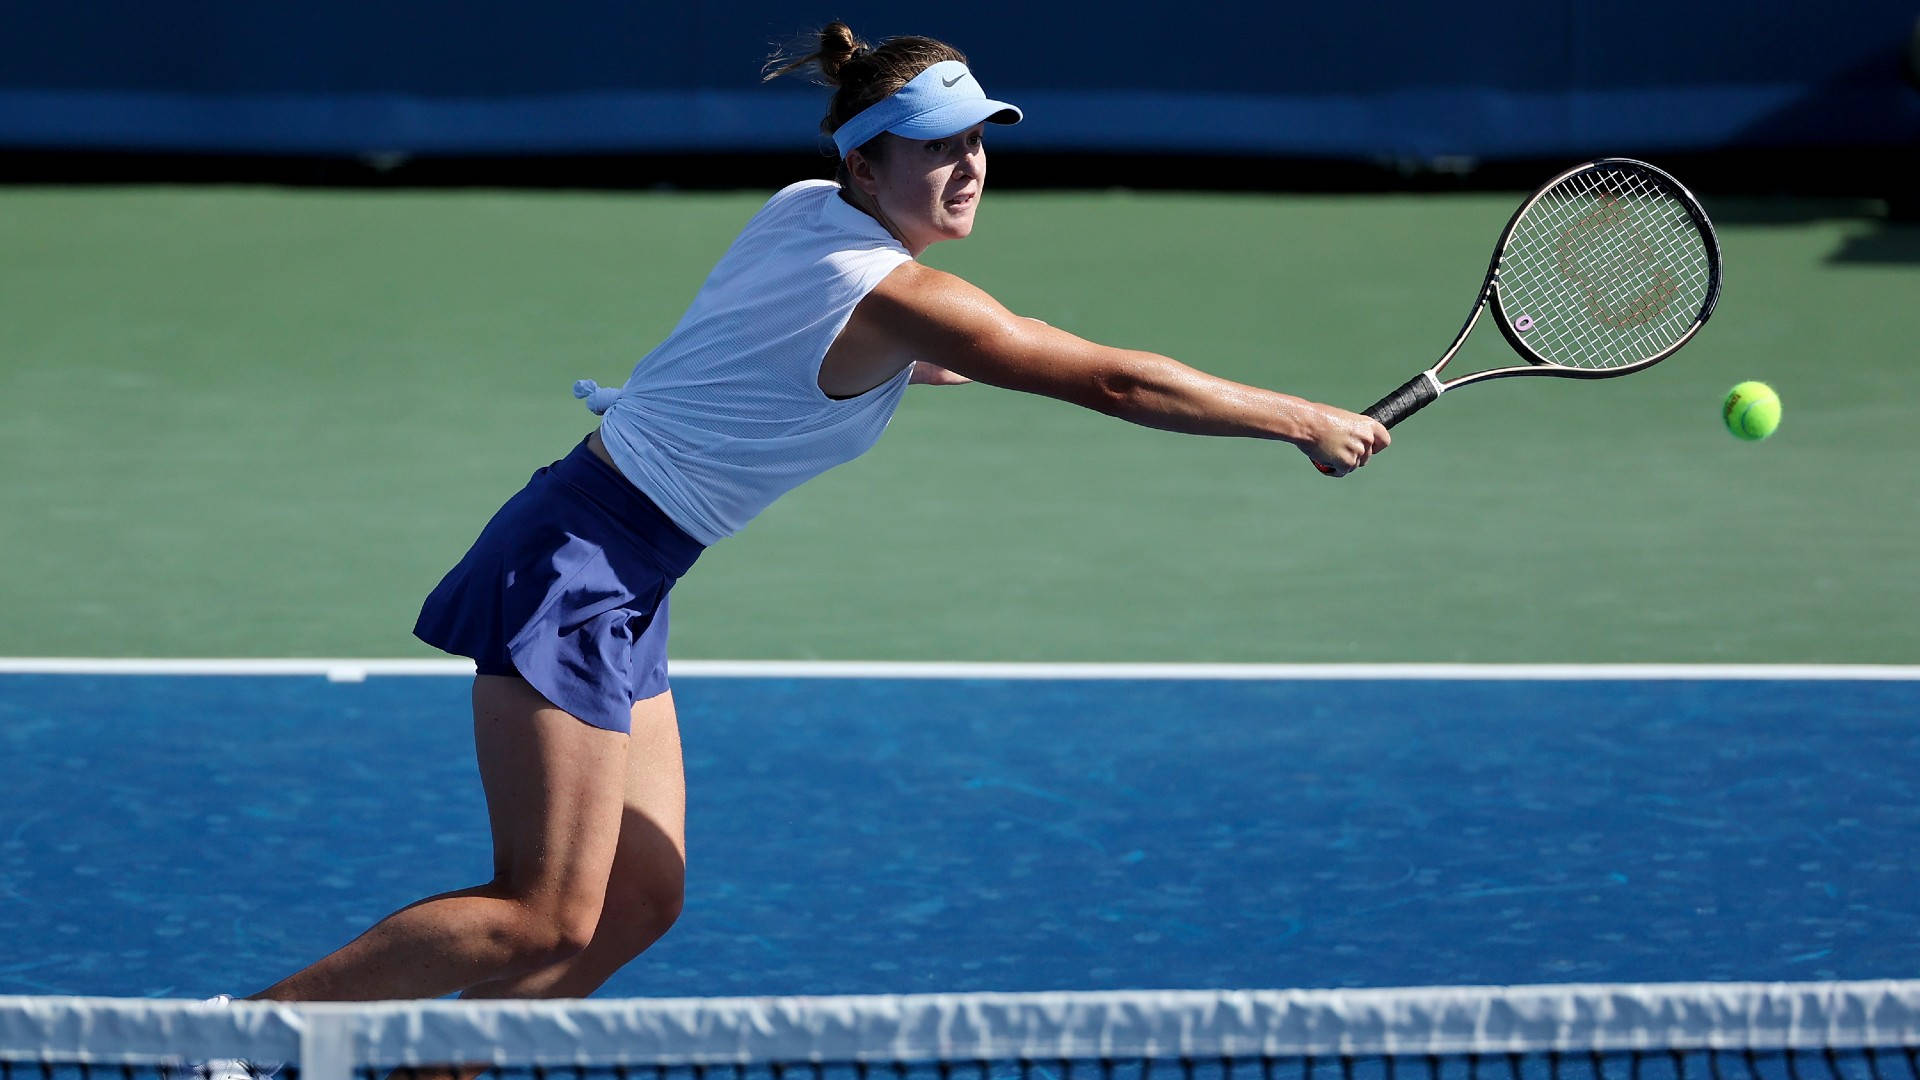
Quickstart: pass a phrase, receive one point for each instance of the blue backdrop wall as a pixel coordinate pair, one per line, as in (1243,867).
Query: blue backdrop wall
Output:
(1368,79)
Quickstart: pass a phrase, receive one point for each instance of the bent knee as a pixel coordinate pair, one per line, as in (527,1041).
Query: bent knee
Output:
(643,914)
(665,905)
(656,904)
(547,932)
(573,927)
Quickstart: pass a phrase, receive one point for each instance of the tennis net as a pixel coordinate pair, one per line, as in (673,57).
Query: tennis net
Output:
(1710,1031)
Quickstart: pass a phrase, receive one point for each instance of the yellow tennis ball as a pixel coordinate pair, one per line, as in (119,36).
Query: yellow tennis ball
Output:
(1752,410)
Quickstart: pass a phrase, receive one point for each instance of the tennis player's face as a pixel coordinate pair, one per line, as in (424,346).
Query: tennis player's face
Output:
(929,188)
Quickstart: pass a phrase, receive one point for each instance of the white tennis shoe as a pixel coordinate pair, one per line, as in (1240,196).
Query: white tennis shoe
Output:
(230,1068)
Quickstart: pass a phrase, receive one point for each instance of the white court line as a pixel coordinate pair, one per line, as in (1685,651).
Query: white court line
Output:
(350,670)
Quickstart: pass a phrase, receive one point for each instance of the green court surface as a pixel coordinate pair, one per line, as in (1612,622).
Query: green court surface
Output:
(260,422)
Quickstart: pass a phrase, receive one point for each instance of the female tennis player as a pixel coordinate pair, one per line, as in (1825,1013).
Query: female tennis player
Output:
(791,360)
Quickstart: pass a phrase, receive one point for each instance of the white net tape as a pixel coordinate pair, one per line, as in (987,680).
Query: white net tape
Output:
(328,1041)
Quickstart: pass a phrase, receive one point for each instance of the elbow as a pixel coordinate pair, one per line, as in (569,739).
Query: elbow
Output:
(1115,391)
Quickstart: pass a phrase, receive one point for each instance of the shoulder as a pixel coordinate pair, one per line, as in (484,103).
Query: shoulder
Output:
(803,191)
(800,200)
(801,187)
(915,297)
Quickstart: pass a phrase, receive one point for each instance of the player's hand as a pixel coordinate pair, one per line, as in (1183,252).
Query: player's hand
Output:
(1342,441)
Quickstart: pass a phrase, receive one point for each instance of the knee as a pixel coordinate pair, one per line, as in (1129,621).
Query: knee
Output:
(645,912)
(548,931)
(664,906)
(573,926)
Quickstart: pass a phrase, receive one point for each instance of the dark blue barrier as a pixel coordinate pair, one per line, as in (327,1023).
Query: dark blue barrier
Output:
(1392,78)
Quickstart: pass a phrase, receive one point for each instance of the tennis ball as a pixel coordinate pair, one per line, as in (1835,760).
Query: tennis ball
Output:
(1752,410)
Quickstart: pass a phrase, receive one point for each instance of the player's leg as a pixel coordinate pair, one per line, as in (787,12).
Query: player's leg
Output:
(649,868)
(555,796)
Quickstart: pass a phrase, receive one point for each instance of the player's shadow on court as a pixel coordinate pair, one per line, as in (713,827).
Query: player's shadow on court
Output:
(1873,180)
(1876,236)
(1892,242)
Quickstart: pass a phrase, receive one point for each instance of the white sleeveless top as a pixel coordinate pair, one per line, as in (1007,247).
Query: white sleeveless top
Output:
(726,415)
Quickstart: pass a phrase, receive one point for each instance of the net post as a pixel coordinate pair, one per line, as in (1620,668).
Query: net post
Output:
(326,1046)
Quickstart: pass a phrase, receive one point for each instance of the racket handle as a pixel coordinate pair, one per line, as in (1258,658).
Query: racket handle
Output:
(1412,396)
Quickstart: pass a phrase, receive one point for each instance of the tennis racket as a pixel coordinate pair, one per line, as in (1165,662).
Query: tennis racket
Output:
(1608,269)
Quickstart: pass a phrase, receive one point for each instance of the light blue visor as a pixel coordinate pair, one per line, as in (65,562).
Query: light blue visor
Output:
(940,101)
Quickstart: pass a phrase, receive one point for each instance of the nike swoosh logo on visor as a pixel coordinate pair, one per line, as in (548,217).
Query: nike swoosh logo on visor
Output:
(948,83)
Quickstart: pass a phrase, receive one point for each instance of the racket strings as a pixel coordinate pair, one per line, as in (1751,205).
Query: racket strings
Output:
(1610,223)
(1606,269)
(1614,262)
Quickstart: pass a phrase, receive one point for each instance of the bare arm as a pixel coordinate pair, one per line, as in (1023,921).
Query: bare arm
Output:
(923,315)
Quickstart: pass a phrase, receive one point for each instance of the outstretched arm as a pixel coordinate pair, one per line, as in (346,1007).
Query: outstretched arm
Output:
(924,315)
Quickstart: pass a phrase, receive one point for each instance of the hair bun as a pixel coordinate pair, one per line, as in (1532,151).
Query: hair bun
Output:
(838,45)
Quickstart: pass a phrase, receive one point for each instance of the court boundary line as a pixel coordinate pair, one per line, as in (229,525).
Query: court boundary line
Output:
(357,670)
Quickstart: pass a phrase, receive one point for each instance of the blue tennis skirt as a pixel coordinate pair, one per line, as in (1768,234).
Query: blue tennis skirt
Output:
(567,588)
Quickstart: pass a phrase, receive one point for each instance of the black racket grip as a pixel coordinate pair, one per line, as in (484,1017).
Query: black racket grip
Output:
(1413,395)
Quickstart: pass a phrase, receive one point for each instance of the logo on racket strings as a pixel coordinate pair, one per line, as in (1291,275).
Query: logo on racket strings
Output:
(1606,254)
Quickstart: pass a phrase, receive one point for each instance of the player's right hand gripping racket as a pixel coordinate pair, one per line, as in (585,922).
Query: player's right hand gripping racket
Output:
(1606,270)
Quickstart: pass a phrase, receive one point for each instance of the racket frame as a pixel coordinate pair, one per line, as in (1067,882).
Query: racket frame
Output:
(1423,388)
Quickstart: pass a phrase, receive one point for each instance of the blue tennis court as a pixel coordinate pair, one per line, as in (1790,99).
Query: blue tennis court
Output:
(184,836)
